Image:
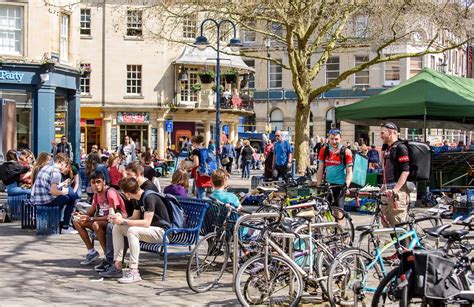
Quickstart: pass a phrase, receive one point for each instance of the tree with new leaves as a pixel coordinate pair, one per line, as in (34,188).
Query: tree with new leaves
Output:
(385,29)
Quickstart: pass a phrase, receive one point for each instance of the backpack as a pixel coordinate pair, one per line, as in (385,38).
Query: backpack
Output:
(359,166)
(207,162)
(175,211)
(420,156)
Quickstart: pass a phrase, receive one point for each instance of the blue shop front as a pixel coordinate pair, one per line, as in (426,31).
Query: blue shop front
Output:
(46,103)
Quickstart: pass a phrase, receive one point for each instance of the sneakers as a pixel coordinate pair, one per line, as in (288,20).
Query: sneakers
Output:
(111,272)
(69,230)
(104,266)
(90,257)
(130,276)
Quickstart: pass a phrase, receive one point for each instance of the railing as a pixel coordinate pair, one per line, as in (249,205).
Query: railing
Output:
(282,94)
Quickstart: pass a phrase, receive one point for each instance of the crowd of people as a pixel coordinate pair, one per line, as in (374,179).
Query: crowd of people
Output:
(122,187)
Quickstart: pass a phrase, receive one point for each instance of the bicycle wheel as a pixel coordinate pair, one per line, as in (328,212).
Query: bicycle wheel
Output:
(322,265)
(385,291)
(337,215)
(352,277)
(207,263)
(281,285)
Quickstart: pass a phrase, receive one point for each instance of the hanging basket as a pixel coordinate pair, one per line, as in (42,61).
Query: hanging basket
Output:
(206,77)
(231,78)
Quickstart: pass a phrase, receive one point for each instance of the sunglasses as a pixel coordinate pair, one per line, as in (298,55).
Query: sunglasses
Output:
(390,126)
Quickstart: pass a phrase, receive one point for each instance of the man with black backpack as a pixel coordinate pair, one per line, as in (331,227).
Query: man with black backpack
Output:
(335,162)
(148,223)
(396,170)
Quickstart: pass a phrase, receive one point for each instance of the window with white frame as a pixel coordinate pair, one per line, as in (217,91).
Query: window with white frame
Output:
(332,69)
(276,75)
(361,26)
(276,28)
(361,77)
(86,22)
(64,45)
(134,23)
(416,65)
(456,62)
(86,79)
(251,76)
(277,119)
(187,92)
(134,79)
(433,62)
(392,72)
(463,65)
(250,37)
(11,29)
(189,26)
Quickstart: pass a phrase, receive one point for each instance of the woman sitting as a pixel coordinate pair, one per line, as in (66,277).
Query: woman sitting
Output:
(179,184)
(10,173)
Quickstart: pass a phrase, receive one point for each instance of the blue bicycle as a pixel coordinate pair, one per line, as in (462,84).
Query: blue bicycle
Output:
(355,274)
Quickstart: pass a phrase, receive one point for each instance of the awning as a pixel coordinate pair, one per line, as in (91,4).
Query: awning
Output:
(194,56)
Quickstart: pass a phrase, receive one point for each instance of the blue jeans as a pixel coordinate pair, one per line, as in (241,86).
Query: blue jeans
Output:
(246,167)
(200,192)
(67,206)
(14,190)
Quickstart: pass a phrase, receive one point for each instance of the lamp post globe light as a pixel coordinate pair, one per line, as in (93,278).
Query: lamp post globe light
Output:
(202,43)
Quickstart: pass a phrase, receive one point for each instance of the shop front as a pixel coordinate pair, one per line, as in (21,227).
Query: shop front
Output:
(136,126)
(91,128)
(46,104)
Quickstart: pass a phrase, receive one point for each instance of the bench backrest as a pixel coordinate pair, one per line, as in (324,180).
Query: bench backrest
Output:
(194,212)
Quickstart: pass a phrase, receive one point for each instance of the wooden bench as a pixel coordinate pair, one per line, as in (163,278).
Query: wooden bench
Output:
(194,212)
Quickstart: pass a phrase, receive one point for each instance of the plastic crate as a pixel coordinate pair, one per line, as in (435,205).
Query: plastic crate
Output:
(47,220)
(28,215)
(15,203)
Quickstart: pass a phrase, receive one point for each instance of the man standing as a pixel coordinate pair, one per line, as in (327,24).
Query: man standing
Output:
(47,189)
(395,174)
(335,161)
(63,147)
(96,218)
(282,155)
(148,223)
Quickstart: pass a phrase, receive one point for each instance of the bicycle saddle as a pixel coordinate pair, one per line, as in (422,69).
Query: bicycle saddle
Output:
(436,231)
(306,214)
(466,222)
(266,189)
(454,234)
(364,227)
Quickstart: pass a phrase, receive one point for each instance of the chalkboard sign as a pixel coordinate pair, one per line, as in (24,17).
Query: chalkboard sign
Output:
(154,138)
(113,138)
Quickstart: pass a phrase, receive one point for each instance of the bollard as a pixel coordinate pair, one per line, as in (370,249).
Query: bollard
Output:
(293,169)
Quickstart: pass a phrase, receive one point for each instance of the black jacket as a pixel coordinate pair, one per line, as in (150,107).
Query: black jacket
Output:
(10,172)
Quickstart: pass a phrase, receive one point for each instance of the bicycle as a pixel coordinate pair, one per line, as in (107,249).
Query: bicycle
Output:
(276,277)
(210,256)
(349,285)
(405,283)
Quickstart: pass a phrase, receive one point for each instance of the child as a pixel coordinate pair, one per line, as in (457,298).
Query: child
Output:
(220,180)
(179,184)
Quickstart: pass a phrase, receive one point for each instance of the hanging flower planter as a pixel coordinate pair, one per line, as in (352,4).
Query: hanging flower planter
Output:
(48,66)
(196,87)
(206,76)
(231,76)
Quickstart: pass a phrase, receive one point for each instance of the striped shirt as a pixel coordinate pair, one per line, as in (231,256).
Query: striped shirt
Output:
(40,192)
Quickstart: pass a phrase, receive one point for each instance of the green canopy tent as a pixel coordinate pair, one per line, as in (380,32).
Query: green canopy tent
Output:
(428,100)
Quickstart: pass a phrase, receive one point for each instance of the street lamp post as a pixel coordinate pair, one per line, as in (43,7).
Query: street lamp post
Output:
(267,45)
(202,43)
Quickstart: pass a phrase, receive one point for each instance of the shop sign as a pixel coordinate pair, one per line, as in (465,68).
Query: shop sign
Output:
(133,118)
(11,75)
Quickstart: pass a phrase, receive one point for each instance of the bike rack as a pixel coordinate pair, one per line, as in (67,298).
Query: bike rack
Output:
(259,216)
(235,243)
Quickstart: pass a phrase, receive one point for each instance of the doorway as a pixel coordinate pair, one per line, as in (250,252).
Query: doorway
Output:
(180,138)
(90,136)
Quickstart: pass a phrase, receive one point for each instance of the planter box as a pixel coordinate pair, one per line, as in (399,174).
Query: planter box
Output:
(206,79)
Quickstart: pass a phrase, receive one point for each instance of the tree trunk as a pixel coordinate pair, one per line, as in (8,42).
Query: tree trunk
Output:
(302,135)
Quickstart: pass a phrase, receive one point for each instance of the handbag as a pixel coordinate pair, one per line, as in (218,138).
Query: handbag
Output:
(225,161)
